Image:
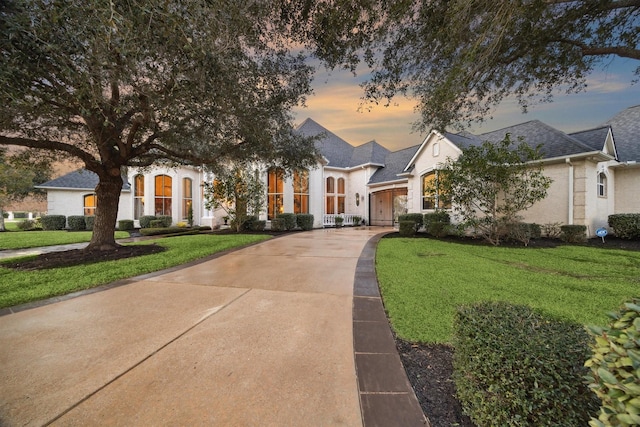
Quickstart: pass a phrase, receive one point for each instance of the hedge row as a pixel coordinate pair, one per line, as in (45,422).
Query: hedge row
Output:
(625,226)
(290,221)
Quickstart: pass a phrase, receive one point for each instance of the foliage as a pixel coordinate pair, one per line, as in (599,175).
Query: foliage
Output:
(573,233)
(305,221)
(157,223)
(460,58)
(523,232)
(338,220)
(437,223)
(516,367)
(53,222)
(615,367)
(177,231)
(125,224)
(238,190)
(490,184)
(289,220)
(407,228)
(167,220)
(190,216)
(422,281)
(417,219)
(89,220)
(625,226)
(27,224)
(277,224)
(356,220)
(551,230)
(145,220)
(76,222)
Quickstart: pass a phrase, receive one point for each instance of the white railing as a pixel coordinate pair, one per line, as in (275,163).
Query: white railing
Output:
(329,220)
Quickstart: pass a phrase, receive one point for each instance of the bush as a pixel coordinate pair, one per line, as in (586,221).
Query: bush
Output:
(305,221)
(157,223)
(516,367)
(26,225)
(277,224)
(53,222)
(339,220)
(125,224)
(615,367)
(76,222)
(552,230)
(573,233)
(249,223)
(89,221)
(625,226)
(145,220)
(167,220)
(259,225)
(5,215)
(437,223)
(407,228)
(171,230)
(417,219)
(523,232)
(289,220)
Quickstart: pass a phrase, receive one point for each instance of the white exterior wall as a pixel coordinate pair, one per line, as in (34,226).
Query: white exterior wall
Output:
(627,190)
(71,202)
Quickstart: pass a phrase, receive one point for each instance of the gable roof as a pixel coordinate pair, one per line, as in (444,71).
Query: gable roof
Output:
(625,127)
(80,179)
(395,164)
(369,153)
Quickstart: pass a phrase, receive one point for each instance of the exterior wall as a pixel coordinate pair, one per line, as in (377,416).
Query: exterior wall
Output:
(555,207)
(627,190)
(600,207)
(71,202)
(357,184)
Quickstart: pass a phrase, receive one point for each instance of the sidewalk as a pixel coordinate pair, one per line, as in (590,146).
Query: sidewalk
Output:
(263,336)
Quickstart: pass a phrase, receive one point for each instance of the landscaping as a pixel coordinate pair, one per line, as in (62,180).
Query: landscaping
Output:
(33,239)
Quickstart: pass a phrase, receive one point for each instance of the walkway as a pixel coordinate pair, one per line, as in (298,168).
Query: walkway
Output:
(263,336)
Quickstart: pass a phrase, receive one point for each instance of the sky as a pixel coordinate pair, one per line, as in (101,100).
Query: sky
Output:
(336,101)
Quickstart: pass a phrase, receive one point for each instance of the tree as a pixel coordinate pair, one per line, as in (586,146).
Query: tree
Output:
(239,191)
(18,178)
(460,58)
(132,83)
(489,184)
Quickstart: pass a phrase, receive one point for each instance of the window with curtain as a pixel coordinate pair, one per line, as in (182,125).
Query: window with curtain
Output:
(187,196)
(163,195)
(301,192)
(89,202)
(330,195)
(138,196)
(430,198)
(275,192)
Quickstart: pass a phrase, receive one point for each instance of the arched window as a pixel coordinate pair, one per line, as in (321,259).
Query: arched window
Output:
(330,195)
(187,197)
(163,195)
(301,192)
(275,192)
(138,196)
(341,196)
(89,202)
(430,197)
(602,184)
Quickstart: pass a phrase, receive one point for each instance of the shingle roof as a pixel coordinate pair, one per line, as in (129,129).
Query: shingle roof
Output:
(80,179)
(394,164)
(335,149)
(370,152)
(625,127)
(552,142)
(594,138)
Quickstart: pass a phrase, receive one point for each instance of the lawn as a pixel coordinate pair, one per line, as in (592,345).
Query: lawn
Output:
(18,287)
(423,281)
(33,239)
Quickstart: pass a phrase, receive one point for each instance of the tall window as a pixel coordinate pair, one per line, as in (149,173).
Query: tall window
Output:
(602,185)
(430,197)
(90,204)
(275,192)
(163,195)
(341,196)
(138,196)
(187,196)
(301,192)
(330,195)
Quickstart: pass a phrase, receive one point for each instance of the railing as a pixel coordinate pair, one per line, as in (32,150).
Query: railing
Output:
(329,220)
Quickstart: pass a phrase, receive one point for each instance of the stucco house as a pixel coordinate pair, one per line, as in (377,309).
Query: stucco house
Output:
(595,173)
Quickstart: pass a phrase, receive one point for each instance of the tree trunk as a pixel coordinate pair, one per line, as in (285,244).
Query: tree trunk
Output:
(107,198)
(2,228)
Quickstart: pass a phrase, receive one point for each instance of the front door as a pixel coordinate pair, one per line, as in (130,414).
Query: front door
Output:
(386,205)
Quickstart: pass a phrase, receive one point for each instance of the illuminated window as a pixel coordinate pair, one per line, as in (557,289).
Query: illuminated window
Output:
(90,204)
(163,195)
(602,185)
(430,197)
(187,196)
(275,192)
(330,196)
(341,196)
(301,192)
(138,196)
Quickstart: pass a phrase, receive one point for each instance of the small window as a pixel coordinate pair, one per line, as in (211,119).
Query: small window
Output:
(90,205)
(163,195)
(275,192)
(187,197)
(436,149)
(602,185)
(138,201)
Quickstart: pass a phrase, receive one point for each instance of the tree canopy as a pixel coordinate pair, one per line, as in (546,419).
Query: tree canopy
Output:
(460,58)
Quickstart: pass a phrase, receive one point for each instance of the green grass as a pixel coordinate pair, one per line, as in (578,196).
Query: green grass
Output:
(34,239)
(423,281)
(18,287)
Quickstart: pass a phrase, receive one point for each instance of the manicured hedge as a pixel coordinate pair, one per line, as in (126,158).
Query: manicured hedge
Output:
(625,226)
(437,223)
(167,220)
(516,367)
(76,222)
(573,233)
(305,221)
(277,224)
(145,220)
(417,219)
(125,224)
(89,221)
(53,222)
(407,228)
(289,220)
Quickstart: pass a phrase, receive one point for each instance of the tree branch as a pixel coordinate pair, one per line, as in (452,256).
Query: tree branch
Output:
(87,158)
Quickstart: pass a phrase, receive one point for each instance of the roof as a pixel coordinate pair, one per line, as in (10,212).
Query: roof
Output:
(394,164)
(594,138)
(80,179)
(625,127)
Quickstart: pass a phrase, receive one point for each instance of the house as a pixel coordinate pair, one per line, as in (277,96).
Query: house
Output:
(595,173)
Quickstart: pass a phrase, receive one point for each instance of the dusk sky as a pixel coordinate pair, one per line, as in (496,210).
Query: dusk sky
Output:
(336,99)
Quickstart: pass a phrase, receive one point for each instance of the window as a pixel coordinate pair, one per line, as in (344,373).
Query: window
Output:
(275,192)
(436,149)
(90,204)
(341,196)
(330,195)
(163,195)
(138,196)
(430,197)
(602,185)
(187,196)
(301,192)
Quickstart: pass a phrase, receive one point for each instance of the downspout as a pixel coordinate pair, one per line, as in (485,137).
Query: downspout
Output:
(571,191)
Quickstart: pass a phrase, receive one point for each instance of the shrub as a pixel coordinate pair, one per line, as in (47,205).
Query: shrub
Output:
(625,226)
(552,230)
(305,221)
(5,215)
(289,220)
(356,220)
(573,233)
(76,222)
(417,219)
(167,220)
(523,232)
(157,223)
(89,221)
(437,223)
(145,220)
(259,225)
(53,222)
(407,228)
(615,367)
(339,220)
(170,230)
(516,367)
(26,225)
(125,224)
(277,224)
(249,223)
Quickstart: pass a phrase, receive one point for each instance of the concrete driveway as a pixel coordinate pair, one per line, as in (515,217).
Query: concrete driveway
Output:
(258,337)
